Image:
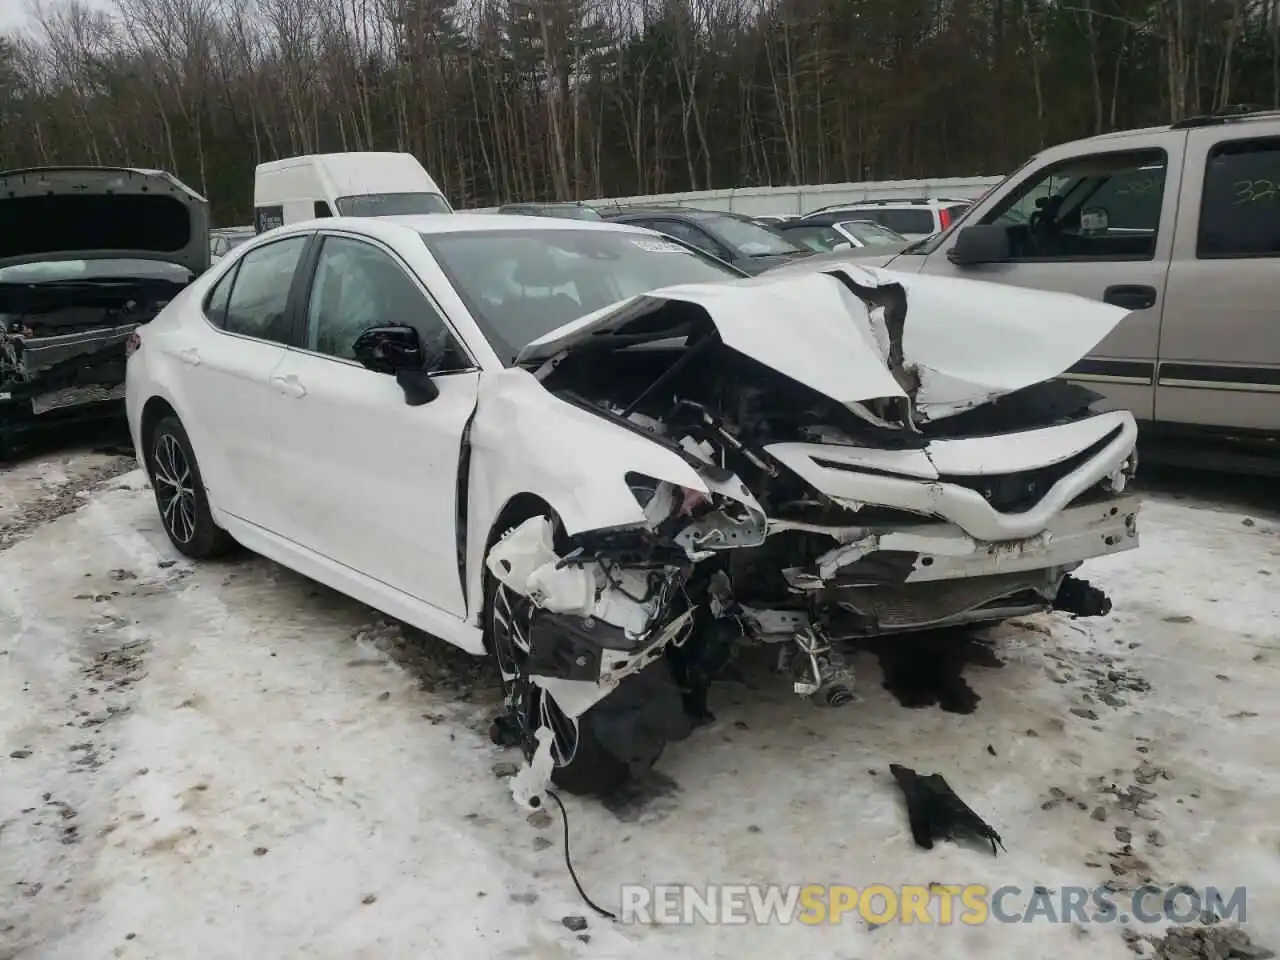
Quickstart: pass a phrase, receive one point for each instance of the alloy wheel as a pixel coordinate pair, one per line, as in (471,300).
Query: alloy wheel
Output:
(175,488)
(530,705)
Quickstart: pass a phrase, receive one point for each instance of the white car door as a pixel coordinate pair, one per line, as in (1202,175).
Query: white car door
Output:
(374,480)
(227,393)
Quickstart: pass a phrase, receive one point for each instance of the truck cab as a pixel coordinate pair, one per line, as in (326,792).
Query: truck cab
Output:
(1179,224)
(362,184)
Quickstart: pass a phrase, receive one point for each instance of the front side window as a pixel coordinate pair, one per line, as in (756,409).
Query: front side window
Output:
(392,204)
(358,286)
(259,299)
(1240,208)
(1100,207)
(520,285)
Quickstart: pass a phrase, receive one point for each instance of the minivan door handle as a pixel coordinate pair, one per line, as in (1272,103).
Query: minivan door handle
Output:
(1131,296)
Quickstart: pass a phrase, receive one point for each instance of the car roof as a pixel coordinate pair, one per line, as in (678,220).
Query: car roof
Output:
(690,213)
(441,224)
(438,223)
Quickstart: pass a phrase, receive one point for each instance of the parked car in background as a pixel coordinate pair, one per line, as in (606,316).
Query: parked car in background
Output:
(87,254)
(585,450)
(913,219)
(850,234)
(1178,224)
(730,237)
(563,211)
(225,239)
(769,219)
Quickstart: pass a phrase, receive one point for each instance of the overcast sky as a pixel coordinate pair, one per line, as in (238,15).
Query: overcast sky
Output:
(15,14)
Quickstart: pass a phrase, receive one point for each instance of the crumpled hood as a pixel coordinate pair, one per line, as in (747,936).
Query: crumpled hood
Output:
(842,332)
(96,213)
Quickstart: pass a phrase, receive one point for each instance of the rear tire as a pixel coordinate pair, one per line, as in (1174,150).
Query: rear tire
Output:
(620,738)
(180,494)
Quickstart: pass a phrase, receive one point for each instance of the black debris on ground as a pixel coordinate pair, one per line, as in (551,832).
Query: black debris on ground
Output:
(936,813)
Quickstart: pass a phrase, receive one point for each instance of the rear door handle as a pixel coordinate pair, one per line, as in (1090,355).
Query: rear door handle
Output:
(290,386)
(190,356)
(1131,296)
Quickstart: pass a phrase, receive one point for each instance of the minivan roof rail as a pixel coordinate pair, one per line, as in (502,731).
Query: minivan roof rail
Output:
(1231,114)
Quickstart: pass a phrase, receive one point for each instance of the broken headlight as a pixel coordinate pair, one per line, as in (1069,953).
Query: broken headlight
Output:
(662,500)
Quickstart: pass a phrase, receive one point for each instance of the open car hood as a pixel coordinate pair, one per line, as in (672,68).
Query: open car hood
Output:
(96,213)
(862,334)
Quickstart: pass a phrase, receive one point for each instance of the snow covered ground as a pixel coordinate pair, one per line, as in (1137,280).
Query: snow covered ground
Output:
(230,761)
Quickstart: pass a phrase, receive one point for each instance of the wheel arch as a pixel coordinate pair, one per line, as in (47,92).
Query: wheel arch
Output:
(153,411)
(517,509)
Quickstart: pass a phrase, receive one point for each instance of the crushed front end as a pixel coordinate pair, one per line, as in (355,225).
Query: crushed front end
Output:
(818,523)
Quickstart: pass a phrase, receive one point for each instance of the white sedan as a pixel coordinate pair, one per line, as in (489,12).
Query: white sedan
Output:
(594,454)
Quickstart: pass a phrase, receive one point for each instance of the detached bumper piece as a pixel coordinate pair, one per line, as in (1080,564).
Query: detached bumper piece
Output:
(936,813)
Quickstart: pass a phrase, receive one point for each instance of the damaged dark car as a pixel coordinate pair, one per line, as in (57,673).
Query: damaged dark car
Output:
(87,254)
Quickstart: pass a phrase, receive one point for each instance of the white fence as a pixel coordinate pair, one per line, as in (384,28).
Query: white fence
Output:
(757,201)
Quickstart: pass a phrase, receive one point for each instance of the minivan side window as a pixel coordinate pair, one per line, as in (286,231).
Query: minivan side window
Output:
(258,305)
(358,286)
(903,221)
(1100,207)
(1240,207)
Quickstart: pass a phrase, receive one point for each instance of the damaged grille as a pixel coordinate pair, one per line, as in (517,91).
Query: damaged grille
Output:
(911,605)
(1019,492)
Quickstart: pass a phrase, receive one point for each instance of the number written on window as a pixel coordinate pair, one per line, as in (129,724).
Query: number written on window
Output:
(1240,207)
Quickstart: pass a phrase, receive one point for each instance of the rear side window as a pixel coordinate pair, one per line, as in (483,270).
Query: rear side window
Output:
(1240,208)
(257,306)
(902,221)
(215,307)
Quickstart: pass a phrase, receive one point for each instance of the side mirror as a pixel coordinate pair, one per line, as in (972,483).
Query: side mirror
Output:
(398,350)
(981,243)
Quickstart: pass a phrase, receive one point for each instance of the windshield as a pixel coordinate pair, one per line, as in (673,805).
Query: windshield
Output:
(750,239)
(519,286)
(392,204)
(53,271)
(869,232)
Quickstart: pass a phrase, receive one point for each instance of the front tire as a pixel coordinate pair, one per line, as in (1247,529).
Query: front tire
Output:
(180,494)
(619,738)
